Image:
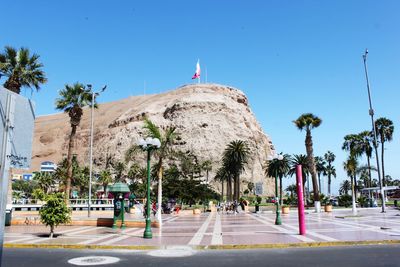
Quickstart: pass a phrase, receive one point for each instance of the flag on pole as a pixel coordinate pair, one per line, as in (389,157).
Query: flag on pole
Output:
(197,73)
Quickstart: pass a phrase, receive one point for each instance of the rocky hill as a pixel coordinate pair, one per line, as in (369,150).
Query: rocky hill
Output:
(207,116)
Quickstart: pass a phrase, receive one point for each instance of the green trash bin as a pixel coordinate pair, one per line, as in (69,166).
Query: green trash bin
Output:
(8,217)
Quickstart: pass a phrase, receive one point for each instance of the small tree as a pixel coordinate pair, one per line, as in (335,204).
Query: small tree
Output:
(54,212)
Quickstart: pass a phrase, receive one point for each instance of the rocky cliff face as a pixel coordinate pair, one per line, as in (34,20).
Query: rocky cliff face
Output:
(207,117)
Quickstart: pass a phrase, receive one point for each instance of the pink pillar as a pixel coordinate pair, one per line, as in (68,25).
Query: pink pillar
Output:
(300,207)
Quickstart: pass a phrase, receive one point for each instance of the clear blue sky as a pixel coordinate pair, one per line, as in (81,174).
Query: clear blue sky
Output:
(289,57)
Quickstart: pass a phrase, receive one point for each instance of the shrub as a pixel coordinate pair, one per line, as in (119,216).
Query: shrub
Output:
(345,200)
(54,212)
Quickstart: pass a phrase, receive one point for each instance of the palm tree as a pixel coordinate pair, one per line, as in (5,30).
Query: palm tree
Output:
(105,179)
(167,141)
(366,148)
(330,169)
(235,158)
(72,100)
(303,161)
(291,189)
(351,166)
(353,144)
(119,169)
(207,166)
(320,167)
(280,168)
(222,176)
(45,181)
(384,130)
(345,187)
(307,122)
(22,69)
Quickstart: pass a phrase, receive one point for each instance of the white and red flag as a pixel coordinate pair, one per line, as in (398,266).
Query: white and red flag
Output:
(197,73)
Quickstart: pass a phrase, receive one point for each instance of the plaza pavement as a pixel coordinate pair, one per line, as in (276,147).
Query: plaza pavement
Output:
(221,230)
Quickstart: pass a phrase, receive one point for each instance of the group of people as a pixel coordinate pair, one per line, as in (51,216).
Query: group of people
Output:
(231,207)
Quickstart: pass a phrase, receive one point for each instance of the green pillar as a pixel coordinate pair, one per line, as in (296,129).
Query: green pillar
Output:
(147,232)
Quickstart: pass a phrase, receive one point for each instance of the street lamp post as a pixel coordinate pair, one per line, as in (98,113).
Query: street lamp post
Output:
(91,142)
(278,220)
(148,145)
(375,143)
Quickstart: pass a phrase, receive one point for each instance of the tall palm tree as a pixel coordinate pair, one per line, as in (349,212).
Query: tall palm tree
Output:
(352,144)
(167,141)
(207,166)
(45,180)
(105,179)
(291,189)
(366,148)
(22,69)
(235,157)
(280,168)
(330,170)
(320,168)
(222,176)
(119,169)
(351,166)
(303,161)
(384,131)
(307,122)
(345,187)
(72,100)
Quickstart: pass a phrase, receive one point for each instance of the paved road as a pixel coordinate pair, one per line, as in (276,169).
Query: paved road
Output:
(384,255)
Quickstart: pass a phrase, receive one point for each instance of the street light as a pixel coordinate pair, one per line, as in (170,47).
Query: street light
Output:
(89,86)
(148,145)
(278,220)
(375,143)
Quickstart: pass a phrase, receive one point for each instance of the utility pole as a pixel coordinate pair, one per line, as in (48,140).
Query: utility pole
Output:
(375,142)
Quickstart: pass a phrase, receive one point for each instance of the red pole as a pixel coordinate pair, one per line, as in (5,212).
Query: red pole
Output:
(300,205)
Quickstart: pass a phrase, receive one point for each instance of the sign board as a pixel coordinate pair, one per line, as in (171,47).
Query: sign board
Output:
(259,188)
(22,119)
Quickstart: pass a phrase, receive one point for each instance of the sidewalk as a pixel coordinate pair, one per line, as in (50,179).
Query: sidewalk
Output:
(221,230)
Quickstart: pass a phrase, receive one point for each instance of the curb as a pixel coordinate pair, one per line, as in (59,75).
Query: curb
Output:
(211,247)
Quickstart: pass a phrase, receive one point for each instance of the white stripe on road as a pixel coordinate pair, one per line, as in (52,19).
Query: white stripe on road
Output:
(281,229)
(132,232)
(196,240)
(217,233)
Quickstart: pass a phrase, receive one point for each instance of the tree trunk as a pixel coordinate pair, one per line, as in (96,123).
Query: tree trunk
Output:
(222,191)
(382,157)
(369,171)
(311,164)
(329,185)
(159,197)
(319,181)
(69,162)
(51,231)
(353,197)
(229,188)
(236,188)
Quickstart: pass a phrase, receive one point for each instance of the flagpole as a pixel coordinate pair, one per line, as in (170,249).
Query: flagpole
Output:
(198,62)
(206,75)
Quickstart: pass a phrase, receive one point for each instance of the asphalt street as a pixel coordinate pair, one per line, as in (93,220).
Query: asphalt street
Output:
(376,255)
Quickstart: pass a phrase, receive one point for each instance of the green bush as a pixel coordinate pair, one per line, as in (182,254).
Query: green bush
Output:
(362,200)
(345,200)
(54,212)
